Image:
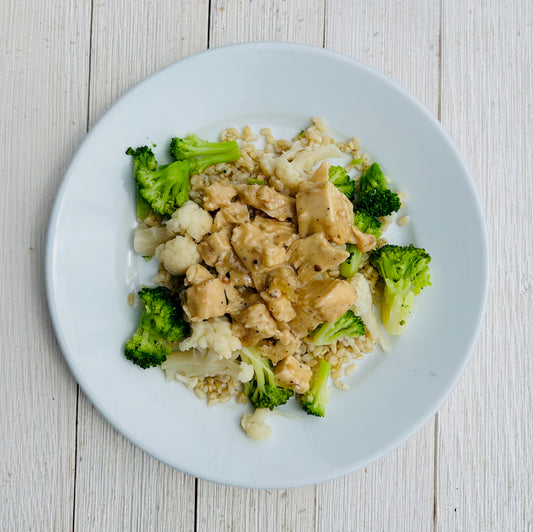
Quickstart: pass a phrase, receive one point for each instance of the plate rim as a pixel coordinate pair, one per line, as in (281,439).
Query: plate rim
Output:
(405,434)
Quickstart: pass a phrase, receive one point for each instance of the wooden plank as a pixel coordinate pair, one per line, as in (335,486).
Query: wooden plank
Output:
(117,485)
(43,111)
(401,40)
(236,21)
(224,508)
(485,456)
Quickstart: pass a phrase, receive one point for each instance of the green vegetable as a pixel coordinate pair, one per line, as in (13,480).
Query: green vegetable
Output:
(164,188)
(340,178)
(160,326)
(202,153)
(251,181)
(374,196)
(405,270)
(262,390)
(315,399)
(346,325)
(367,224)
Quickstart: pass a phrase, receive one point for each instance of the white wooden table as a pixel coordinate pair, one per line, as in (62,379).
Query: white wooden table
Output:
(62,63)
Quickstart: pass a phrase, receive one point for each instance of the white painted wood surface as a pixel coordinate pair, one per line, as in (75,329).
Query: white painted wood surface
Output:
(62,64)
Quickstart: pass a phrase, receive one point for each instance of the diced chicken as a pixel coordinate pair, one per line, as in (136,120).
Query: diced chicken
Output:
(205,300)
(281,233)
(279,293)
(320,301)
(279,305)
(255,324)
(239,299)
(293,374)
(232,214)
(197,274)
(255,249)
(268,200)
(364,241)
(215,248)
(321,207)
(218,195)
(313,255)
(278,349)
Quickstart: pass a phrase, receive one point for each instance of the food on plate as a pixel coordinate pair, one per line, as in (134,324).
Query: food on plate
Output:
(405,270)
(271,260)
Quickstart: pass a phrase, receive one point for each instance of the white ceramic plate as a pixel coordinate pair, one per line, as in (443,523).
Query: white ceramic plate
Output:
(90,266)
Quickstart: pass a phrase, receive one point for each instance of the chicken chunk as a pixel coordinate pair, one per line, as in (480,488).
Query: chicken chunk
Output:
(282,233)
(218,194)
(255,249)
(293,374)
(255,324)
(239,298)
(364,241)
(232,214)
(205,300)
(279,293)
(197,274)
(278,349)
(320,207)
(216,247)
(320,301)
(268,200)
(314,254)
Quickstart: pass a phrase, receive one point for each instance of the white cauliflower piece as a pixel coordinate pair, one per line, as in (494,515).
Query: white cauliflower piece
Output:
(178,254)
(146,239)
(254,425)
(292,166)
(190,219)
(190,365)
(214,335)
(363,307)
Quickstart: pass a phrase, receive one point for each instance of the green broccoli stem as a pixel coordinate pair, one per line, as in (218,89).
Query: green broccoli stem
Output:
(351,265)
(199,164)
(255,360)
(319,387)
(143,209)
(397,306)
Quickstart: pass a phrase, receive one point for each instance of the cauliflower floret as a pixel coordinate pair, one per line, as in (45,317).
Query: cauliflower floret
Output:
(146,239)
(291,166)
(363,307)
(178,254)
(190,219)
(254,425)
(189,366)
(215,335)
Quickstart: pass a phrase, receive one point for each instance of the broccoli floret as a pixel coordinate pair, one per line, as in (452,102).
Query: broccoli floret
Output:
(164,188)
(340,178)
(202,153)
(346,325)
(375,198)
(161,324)
(367,224)
(262,390)
(314,400)
(405,270)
